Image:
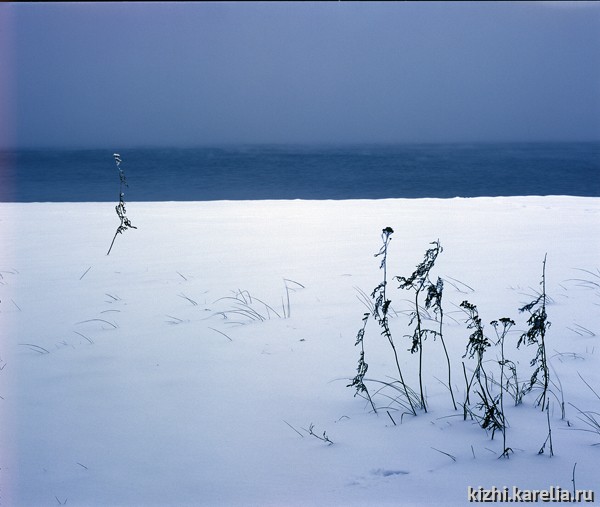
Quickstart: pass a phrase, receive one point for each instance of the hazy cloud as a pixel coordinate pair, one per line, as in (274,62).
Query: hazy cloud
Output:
(113,74)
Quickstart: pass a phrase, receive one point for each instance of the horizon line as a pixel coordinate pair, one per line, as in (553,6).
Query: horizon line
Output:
(323,144)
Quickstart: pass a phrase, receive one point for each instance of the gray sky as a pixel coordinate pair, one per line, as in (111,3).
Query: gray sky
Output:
(117,74)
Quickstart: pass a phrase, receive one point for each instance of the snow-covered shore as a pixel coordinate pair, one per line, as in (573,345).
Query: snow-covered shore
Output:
(135,379)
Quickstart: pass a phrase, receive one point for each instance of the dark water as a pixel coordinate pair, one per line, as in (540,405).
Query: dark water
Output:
(303,172)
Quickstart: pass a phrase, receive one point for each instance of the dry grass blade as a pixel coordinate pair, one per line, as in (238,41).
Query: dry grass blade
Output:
(36,348)
(220,332)
(453,458)
(113,325)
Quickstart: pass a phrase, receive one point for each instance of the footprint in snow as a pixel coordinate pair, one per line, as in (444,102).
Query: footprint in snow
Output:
(366,482)
(387,473)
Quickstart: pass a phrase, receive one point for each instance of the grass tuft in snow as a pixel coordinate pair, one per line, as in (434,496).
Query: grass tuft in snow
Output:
(244,305)
(290,286)
(250,308)
(590,418)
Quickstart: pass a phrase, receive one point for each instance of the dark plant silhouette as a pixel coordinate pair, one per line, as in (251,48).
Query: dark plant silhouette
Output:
(120,208)
(358,380)
(379,310)
(434,301)
(505,324)
(536,335)
(418,281)
(490,417)
(382,305)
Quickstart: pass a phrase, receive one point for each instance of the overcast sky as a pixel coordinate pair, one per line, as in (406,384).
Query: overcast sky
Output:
(117,74)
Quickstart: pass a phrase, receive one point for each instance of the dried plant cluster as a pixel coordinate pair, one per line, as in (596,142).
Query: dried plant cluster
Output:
(485,392)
